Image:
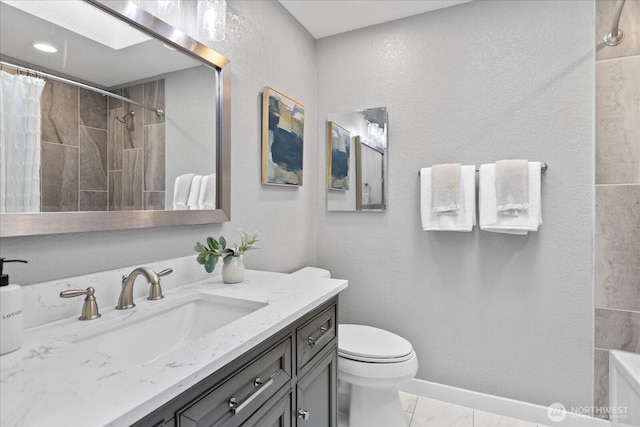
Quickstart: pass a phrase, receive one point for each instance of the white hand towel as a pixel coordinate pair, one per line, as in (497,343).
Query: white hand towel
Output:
(181,189)
(445,188)
(497,222)
(207,197)
(512,186)
(464,219)
(194,193)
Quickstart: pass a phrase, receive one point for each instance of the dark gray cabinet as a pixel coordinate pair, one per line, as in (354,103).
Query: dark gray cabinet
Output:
(289,380)
(316,393)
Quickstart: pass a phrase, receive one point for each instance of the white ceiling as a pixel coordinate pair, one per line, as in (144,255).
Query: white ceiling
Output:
(324,18)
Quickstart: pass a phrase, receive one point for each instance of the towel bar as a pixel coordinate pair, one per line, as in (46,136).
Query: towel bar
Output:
(543,168)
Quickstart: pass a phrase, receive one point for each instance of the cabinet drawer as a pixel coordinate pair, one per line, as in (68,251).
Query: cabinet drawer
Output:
(315,334)
(275,413)
(236,398)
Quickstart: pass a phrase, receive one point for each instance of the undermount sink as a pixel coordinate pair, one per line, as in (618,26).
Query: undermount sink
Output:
(147,334)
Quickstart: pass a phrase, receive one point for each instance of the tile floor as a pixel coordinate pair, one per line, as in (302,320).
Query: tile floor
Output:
(424,412)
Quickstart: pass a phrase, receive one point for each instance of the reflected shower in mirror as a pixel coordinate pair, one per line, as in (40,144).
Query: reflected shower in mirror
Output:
(105,153)
(357,160)
(129,115)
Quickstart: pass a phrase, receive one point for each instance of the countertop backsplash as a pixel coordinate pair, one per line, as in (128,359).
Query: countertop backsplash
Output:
(41,302)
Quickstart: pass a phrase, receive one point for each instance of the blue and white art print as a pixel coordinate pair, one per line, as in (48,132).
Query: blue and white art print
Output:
(338,156)
(282,139)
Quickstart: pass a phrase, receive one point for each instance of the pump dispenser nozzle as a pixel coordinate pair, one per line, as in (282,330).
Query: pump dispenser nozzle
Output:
(4,278)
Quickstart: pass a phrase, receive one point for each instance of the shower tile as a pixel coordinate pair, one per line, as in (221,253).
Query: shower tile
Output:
(486,419)
(617,330)
(132,180)
(154,158)
(115,190)
(433,413)
(93,109)
(153,97)
(59,111)
(600,378)
(617,247)
(134,132)
(115,140)
(113,102)
(154,200)
(59,178)
(629,24)
(93,200)
(93,159)
(618,121)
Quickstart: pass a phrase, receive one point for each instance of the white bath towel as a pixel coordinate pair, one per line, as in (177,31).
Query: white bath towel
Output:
(207,197)
(462,220)
(181,189)
(194,193)
(492,220)
(445,187)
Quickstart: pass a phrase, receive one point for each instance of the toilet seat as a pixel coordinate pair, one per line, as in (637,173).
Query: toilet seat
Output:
(372,345)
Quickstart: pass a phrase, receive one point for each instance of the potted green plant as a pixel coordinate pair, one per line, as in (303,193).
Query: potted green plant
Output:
(233,265)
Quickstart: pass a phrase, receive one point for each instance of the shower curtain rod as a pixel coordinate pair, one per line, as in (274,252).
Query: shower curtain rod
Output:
(18,68)
(616,35)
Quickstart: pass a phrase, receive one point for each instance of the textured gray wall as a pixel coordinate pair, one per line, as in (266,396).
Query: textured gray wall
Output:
(475,83)
(266,47)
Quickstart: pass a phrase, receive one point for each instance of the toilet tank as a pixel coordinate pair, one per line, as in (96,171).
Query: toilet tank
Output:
(313,272)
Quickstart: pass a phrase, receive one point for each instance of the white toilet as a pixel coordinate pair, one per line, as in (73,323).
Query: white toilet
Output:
(372,363)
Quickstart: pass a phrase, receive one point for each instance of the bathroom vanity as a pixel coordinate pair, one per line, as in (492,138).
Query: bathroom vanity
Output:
(262,352)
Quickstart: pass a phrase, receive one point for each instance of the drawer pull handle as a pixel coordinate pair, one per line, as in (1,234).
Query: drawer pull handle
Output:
(260,387)
(303,415)
(313,341)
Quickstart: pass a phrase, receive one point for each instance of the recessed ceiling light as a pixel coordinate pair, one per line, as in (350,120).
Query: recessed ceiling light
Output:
(44,47)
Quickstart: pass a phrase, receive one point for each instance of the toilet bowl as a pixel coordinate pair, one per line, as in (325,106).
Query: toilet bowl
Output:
(372,363)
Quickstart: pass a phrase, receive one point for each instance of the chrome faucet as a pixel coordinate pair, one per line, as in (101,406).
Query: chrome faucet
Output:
(125,300)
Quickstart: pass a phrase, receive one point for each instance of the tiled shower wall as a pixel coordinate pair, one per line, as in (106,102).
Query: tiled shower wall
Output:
(92,162)
(617,233)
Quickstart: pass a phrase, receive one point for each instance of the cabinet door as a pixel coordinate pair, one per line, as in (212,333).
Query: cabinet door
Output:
(317,391)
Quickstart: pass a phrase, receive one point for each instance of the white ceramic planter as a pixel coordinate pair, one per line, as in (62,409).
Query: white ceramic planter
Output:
(233,270)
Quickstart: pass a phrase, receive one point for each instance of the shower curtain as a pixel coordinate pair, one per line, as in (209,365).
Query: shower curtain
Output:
(20,143)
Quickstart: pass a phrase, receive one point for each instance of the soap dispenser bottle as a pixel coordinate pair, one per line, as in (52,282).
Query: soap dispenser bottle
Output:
(10,312)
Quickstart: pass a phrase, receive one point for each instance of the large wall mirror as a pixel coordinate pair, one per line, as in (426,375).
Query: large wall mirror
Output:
(357,161)
(126,125)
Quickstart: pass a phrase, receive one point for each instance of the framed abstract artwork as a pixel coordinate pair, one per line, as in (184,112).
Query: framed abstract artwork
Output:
(338,156)
(282,139)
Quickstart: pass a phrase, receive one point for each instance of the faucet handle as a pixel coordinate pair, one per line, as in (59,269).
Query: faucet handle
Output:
(165,272)
(90,306)
(155,292)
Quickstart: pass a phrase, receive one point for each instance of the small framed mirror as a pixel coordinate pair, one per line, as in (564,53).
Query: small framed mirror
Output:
(357,161)
(131,124)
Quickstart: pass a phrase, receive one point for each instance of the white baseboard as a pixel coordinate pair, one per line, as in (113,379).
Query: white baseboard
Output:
(498,405)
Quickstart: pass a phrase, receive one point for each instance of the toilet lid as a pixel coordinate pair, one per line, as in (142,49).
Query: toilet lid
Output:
(370,344)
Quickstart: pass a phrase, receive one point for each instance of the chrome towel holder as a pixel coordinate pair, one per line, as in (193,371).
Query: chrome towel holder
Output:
(543,168)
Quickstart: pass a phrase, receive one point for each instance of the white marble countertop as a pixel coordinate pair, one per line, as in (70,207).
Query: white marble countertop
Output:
(51,381)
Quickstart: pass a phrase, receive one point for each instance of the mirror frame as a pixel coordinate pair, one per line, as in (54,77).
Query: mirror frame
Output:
(37,223)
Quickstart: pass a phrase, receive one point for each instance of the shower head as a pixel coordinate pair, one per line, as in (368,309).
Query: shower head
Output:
(123,119)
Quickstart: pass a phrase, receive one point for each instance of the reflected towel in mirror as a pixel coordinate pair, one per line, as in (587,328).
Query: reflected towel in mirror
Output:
(181,190)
